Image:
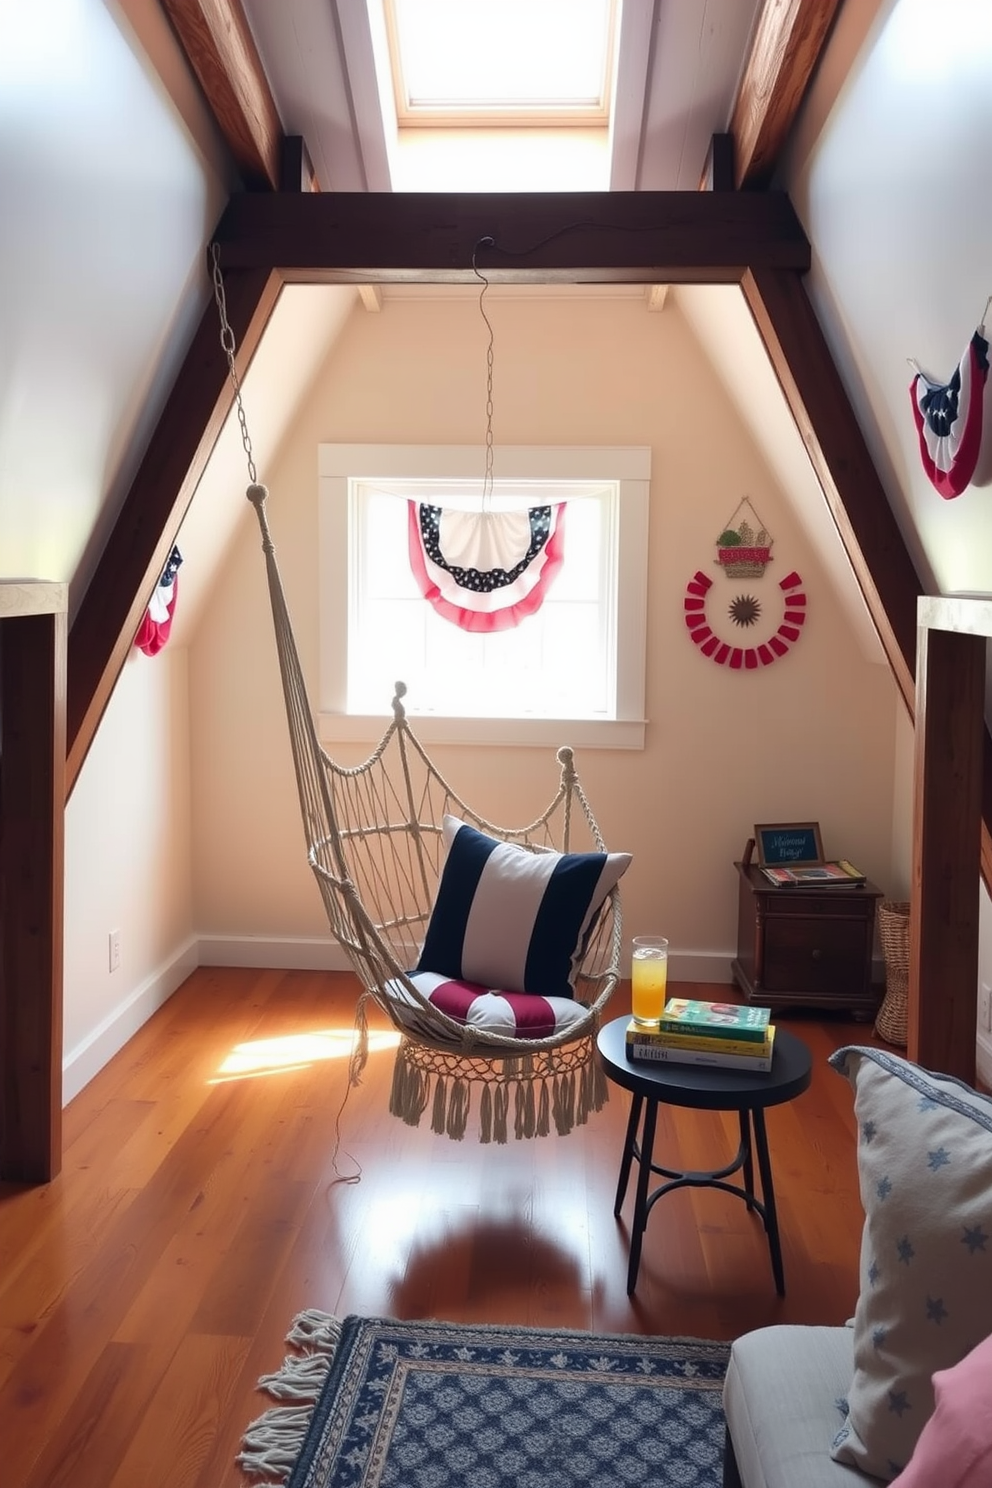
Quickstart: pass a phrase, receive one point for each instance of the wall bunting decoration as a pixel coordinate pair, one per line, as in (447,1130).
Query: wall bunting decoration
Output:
(948,418)
(744,611)
(156,623)
(485,570)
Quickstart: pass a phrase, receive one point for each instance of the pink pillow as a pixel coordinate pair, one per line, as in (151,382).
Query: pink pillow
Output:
(955,1446)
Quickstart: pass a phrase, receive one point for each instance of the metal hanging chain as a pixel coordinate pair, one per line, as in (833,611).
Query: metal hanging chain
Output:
(229,346)
(487,484)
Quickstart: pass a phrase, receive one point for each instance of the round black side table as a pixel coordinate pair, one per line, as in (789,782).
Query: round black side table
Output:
(702,1088)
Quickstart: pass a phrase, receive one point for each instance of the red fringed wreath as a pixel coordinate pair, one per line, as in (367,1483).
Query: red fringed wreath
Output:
(725,653)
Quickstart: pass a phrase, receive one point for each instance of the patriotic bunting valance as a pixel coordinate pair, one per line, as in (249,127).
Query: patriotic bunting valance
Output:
(948,418)
(153,632)
(485,570)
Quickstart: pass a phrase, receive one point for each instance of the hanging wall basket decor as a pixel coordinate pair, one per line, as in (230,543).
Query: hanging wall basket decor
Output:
(744,611)
(744,548)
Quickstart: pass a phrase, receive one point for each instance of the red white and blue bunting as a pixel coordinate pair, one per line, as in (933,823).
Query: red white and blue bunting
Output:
(485,570)
(156,624)
(744,611)
(948,419)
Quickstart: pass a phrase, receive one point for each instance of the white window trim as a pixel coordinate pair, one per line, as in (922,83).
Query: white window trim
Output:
(630,465)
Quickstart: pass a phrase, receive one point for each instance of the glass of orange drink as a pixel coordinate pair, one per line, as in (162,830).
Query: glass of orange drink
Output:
(648,977)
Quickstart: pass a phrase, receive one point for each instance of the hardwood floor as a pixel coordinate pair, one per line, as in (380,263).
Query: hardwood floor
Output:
(145,1290)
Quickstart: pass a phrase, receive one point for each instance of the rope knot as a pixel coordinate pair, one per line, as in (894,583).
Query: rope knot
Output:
(257,494)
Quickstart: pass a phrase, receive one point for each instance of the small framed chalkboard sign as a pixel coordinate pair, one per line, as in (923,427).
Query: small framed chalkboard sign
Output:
(788,844)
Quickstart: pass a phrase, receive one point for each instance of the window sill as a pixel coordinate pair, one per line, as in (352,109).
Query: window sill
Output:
(580,733)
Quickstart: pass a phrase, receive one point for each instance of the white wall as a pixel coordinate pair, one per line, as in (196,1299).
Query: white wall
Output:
(127,865)
(809,737)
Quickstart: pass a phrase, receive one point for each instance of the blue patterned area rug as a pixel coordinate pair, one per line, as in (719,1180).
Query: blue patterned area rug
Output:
(376,1403)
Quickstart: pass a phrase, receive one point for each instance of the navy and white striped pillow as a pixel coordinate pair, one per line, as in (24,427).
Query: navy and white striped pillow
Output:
(512,919)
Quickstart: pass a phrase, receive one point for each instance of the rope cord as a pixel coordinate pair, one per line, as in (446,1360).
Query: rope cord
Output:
(229,347)
(487,484)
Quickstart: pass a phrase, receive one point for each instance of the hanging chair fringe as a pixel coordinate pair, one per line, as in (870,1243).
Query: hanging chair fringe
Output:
(272,1443)
(437,1115)
(486,1114)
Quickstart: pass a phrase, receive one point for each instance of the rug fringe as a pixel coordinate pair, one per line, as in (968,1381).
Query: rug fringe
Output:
(301,1377)
(314,1329)
(273,1442)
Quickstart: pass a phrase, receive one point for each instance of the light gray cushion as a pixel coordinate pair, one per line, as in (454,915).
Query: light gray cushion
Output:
(925,1170)
(784,1399)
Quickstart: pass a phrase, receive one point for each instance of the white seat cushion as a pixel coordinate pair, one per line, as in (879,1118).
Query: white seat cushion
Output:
(784,1401)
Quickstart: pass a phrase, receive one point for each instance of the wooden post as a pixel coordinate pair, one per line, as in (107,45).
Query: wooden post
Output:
(947,817)
(32,811)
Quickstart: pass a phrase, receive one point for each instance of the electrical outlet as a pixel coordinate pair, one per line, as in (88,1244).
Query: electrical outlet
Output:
(985,1008)
(115,950)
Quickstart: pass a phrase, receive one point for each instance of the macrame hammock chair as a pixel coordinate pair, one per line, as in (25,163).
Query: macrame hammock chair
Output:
(375,840)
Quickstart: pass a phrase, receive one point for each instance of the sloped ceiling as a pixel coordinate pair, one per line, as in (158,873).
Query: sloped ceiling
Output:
(724,328)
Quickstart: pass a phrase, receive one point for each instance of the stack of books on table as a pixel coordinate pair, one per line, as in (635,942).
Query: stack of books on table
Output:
(716,1033)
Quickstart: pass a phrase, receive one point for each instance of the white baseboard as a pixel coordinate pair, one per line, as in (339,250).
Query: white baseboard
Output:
(89,1056)
(319,953)
(700,966)
(285,952)
(292,953)
(983,1059)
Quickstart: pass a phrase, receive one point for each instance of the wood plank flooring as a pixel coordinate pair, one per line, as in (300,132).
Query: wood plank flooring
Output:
(145,1290)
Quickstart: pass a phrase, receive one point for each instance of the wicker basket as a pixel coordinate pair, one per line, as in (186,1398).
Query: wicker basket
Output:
(893,929)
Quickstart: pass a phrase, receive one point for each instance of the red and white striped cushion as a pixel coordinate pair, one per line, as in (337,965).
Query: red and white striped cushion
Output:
(515,1014)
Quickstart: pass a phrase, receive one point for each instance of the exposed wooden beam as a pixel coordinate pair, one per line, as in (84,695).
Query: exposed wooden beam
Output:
(32,813)
(947,826)
(217,40)
(681,237)
(826,422)
(788,38)
(149,520)
(718,173)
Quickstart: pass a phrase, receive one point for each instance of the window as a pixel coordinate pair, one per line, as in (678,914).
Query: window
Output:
(580,658)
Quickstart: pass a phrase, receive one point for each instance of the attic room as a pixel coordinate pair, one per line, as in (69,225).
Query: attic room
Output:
(182,839)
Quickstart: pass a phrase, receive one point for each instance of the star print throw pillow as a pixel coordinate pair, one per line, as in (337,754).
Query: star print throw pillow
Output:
(925,1170)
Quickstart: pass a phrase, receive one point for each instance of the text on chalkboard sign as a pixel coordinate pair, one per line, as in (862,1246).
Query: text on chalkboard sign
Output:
(788,844)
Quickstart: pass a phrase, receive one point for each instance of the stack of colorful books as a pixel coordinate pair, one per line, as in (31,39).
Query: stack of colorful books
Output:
(716,1033)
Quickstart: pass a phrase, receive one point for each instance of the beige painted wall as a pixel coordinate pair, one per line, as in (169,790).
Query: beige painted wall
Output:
(811,737)
(127,865)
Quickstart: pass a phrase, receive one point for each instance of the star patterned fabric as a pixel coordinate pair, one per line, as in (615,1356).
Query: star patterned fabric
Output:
(948,419)
(485,570)
(925,1170)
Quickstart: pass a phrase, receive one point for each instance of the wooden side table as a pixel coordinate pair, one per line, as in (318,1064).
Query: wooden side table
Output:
(805,947)
(702,1088)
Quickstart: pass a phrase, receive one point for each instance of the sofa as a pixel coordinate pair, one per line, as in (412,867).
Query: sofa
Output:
(904,1390)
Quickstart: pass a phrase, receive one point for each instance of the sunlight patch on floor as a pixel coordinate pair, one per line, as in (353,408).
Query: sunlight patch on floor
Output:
(296,1051)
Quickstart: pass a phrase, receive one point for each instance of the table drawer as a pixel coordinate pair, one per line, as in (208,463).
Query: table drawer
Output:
(832,904)
(809,955)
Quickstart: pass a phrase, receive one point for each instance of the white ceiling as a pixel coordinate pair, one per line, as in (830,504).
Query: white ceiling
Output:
(678,66)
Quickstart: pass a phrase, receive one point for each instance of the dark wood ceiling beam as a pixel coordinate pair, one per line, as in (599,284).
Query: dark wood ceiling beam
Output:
(678,237)
(148,523)
(221,50)
(826,422)
(785,48)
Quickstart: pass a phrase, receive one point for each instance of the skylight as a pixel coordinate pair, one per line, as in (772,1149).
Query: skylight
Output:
(457,63)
